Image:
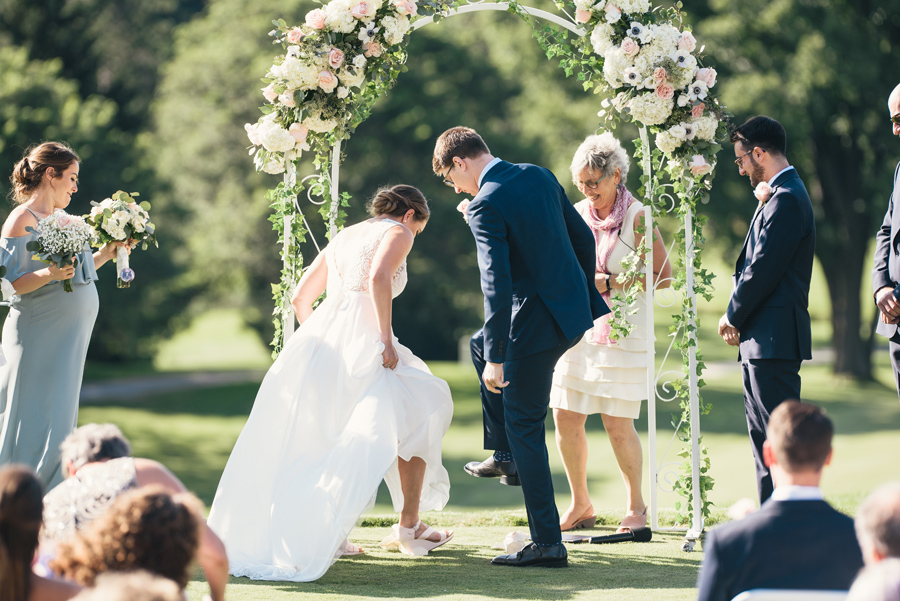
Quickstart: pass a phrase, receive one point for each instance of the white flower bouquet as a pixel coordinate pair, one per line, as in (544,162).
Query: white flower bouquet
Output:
(61,238)
(121,219)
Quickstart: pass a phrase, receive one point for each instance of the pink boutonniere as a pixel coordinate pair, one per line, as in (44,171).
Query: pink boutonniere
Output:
(462,206)
(763,192)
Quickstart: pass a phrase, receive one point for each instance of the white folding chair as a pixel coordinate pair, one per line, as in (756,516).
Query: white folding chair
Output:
(773,594)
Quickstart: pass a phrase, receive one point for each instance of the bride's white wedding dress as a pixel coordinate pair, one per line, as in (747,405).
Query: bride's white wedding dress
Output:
(328,424)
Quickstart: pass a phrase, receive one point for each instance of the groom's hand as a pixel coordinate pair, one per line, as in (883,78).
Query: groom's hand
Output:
(493,377)
(730,334)
(885,300)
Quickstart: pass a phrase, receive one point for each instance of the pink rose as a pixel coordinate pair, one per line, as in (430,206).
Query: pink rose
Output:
(707,75)
(252,132)
(462,206)
(373,49)
(763,192)
(287,99)
(270,93)
(697,110)
(613,13)
(660,75)
(335,58)
(316,18)
(327,81)
(630,47)
(361,10)
(64,220)
(295,35)
(699,166)
(405,7)
(298,132)
(687,41)
(582,16)
(665,91)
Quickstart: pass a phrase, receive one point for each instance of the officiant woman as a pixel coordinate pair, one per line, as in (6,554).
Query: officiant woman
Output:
(599,374)
(47,331)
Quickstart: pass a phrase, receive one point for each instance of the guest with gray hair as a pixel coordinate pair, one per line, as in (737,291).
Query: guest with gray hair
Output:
(99,468)
(599,170)
(878,524)
(877,582)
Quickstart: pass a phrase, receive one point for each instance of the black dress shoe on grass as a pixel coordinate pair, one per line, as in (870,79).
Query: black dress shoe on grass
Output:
(489,468)
(533,555)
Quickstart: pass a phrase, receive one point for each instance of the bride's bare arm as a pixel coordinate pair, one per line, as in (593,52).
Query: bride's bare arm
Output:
(393,249)
(311,287)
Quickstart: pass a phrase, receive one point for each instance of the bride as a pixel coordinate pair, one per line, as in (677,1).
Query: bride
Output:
(343,407)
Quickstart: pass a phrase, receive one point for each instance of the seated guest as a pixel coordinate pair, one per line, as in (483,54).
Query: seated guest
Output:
(20,521)
(795,540)
(144,529)
(877,582)
(132,586)
(98,467)
(878,524)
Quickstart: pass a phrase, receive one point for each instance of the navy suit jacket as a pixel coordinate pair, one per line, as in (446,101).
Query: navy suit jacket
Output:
(887,255)
(786,544)
(537,259)
(770,299)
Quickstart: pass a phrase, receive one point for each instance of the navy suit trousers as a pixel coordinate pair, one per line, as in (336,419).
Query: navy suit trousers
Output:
(767,383)
(514,420)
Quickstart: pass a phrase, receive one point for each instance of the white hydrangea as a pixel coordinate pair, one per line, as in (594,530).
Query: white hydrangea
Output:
(614,67)
(634,7)
(298,74)
(273,137)
(272,165)
(680,77)
(317,124)
(666,142)
(394,29)
(665,38)
(601,38)
(583,5)
(650,109)
(705,127)
(338,16)
(352,78)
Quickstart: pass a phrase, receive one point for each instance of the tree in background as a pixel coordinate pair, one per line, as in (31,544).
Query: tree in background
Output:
(824,70)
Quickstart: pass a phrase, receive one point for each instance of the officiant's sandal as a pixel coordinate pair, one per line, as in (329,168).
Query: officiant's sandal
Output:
(347,548)
(407,542)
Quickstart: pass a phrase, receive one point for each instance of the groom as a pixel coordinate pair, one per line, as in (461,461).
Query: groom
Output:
(768,315)
(536,257)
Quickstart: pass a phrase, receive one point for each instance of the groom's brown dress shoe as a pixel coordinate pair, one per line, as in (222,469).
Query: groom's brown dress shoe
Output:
(554,556)
(489,468)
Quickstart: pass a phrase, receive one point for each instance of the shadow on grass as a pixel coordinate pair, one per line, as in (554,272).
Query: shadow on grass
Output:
(464,569)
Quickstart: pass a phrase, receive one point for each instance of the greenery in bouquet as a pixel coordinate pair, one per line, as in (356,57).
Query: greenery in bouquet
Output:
(61,238)
(121,219)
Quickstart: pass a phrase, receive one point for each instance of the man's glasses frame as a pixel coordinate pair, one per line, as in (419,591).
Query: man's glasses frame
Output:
(740,160)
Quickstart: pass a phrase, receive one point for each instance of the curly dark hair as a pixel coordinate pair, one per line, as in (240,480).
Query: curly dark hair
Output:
(21,506)
(148,529)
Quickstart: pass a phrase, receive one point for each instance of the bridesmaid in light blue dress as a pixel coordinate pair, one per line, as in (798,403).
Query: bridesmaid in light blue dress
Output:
(47,332)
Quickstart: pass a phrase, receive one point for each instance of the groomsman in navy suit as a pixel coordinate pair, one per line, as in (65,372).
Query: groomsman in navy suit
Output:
(768,315)
(796,540)
(536,256)
(886,273)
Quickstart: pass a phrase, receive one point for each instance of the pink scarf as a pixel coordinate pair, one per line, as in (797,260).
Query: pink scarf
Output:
(606,234)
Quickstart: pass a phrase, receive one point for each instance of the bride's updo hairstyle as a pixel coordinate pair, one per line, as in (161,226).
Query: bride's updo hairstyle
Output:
(29,172)
(397,200)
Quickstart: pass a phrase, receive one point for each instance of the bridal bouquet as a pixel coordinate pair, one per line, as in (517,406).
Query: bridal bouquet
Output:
(6,287)
(61,238)
(121,219)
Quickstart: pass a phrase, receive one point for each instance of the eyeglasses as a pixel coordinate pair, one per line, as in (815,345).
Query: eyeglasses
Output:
(740,160)
(446,177)
(591,185)
(896,119)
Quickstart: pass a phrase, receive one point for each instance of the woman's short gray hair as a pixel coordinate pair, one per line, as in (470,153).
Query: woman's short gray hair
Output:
(601,153)
(94,442)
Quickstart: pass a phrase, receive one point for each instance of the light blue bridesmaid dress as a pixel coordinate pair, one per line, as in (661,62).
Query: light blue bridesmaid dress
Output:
(45,341)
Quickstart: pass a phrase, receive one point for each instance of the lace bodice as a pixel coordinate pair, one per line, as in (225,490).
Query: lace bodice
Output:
(353,250)
(85,496)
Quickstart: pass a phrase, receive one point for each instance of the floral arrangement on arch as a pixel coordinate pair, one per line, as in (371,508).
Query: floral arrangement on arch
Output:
(652,68)
(335,66)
